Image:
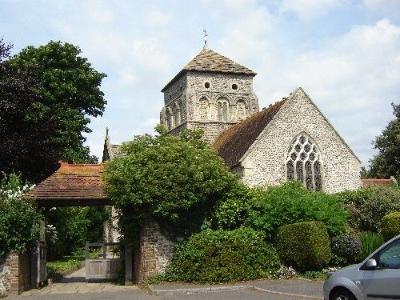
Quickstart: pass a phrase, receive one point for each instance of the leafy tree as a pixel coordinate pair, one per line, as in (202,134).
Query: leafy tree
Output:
(387,162)
(46,96)
(175,179)
(19,220)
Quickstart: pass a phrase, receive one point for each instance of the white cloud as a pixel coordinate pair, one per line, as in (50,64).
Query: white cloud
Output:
(310,9)
(156,17)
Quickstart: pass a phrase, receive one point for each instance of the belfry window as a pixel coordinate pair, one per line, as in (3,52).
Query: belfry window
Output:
(303,163)
(203,109)
(223,110)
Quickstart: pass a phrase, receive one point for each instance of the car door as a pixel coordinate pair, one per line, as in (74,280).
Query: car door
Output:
(383,282)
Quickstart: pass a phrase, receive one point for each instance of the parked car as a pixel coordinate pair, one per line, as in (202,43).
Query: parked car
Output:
(377,277)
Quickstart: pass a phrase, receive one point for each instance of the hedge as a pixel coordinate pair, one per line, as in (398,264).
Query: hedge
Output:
(218,255)
(304,245)
(390,225)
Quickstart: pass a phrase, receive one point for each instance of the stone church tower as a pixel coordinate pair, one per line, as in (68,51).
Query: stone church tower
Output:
(211,93)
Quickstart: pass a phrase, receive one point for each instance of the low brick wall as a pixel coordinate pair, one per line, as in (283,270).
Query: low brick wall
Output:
(154,252)
(14,274)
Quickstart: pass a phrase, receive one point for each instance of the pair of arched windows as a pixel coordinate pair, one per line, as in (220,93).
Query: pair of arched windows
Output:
(303,163)
(222,110)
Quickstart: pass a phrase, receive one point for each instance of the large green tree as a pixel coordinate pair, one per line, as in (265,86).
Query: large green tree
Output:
(387,162)
(47,95)
(175,179)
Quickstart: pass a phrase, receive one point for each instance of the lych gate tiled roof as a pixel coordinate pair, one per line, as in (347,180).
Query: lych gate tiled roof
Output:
(209,60)
(233,143)
(366,182)
(72,184)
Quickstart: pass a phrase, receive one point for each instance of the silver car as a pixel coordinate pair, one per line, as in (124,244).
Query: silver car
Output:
(377,277)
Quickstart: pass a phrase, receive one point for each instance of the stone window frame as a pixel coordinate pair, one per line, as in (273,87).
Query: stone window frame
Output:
(298,150)
(223,109)
(170,118)
(246,108)
(204,98)
(177,114)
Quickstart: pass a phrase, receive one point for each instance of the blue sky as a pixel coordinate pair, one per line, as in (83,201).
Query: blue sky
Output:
(344,53)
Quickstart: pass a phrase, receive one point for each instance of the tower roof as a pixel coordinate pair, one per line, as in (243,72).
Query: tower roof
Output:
(210,61)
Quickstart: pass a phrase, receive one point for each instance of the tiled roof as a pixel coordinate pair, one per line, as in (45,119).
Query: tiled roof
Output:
(210,61)
(70,184)
(233,143)
(366,182)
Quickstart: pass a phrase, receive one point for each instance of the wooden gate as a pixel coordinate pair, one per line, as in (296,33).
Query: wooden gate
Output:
(107,265)
(39,260)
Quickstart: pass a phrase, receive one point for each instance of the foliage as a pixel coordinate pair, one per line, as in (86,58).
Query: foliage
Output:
(175,179)
(368,206)
(290,203)
(235,210)
(370,241)
(46,96)
(219,255)
(304,245)
(18,217)
(56,269)
(387,162)
(73,227)
(390,225)
(346,248)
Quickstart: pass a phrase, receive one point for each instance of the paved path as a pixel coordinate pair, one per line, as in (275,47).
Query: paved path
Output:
(254,290)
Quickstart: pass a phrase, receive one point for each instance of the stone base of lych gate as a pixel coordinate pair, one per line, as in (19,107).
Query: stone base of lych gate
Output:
(153,253)
(14,274)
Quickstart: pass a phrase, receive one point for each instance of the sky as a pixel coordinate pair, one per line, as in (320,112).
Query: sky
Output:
(344,53)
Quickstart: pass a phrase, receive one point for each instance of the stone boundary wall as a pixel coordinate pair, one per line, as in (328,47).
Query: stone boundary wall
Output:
(14,274)
(154,252)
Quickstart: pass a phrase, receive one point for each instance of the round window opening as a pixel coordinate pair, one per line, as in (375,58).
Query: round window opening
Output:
(207,85)
(234,86)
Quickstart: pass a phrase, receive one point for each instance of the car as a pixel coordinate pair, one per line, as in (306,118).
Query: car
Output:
(377,277)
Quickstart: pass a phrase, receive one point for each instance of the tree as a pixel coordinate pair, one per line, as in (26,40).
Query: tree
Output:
(175,179)
(387,162)
(46,96)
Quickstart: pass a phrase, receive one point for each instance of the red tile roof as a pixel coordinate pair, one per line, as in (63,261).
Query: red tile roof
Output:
(366,182)
(72,184)
(233,143)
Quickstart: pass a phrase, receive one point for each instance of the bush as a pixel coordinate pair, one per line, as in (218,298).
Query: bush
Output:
(304,245)
(346,249)
(390,225)
(291,203)
(368,206)
(370,241)
(218,255)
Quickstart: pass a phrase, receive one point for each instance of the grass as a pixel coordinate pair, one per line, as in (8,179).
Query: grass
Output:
(370,241)
(58,268)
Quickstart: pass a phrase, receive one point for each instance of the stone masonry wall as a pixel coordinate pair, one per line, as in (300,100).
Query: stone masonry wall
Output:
(264,164)
(14,274)
(154,252)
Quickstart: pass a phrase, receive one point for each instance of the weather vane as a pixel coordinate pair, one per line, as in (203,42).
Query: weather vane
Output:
(205,38)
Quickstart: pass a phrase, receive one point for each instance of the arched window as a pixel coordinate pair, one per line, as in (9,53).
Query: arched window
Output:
(223,114)
(240,110)
(203,108)
(303,163)
(170,119)
(177,114)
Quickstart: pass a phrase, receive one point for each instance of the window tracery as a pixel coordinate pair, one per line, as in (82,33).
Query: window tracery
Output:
(303,163)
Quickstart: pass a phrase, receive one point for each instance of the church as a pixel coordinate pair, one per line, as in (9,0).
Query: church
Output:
(288,140)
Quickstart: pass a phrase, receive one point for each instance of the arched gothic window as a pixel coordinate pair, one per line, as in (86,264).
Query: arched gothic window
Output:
(240,110)
(303,163)
(177,114)
(203,109)
(223,110)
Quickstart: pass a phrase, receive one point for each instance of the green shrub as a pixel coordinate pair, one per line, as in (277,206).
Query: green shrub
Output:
(370,241)
(368,206)
(390,225)
(346,249)
(218,255)
(290,203)
(304,245)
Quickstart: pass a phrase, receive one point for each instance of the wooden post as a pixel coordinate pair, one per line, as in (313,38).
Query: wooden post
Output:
(128,265)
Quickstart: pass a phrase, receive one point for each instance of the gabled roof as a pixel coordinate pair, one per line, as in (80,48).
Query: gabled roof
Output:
(72,184)
(234,142)
(210,61)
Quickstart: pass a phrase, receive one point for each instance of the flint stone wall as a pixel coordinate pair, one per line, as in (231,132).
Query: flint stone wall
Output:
(14,274)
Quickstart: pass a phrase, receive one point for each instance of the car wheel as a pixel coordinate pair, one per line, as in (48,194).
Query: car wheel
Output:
(342,294)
